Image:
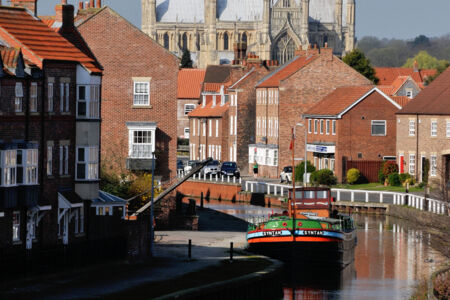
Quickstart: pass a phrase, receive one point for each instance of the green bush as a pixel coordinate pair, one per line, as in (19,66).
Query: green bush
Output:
(300,169)
(324,176)
(404,177)
(394,179)
(381,177)
(353,175)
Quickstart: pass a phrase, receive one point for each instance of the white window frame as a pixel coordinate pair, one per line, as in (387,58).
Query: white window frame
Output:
(412,127)
(132,145)
(198,127)
(50,97)
(186,132)
(30,166)
(433,165)
(64,94)
(89,163)
(209,127)
(333,127)
(231,125)
(316,126)
(141,98)
(327,127)
(434,128)
(8,167)
(49,160)
(217,127)
(188,107)
(204,128)
(33,97)
(379,124)
(448,129)
(18,100)
(16,226)
(412,164)
(409,94)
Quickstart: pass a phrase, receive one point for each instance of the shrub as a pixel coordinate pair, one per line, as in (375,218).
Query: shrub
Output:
(410,180)
(404,177)
(324,176)
(300,169)
(426,170)
(142,186)
(394,179)
(353,175)
(381,177)
(389,167)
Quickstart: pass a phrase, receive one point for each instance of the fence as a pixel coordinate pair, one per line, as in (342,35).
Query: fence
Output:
(212,177)
(395,198)
(369,169)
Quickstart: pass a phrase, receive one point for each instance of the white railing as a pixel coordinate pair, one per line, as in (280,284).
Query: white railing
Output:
(384,197)
(211,177)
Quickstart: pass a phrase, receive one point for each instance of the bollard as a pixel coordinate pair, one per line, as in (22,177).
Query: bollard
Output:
(190,249)
(231,251)
(201,200)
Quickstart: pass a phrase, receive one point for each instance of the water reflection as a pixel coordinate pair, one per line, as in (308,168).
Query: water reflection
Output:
(391,257)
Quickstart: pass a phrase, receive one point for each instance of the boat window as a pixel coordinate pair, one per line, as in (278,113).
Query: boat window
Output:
(298,195)
(309,194)
(322,195)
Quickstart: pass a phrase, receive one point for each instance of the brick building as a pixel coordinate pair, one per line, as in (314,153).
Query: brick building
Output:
(139,92)
(49,131)
(352,123)
(423,132)
(190,82)
(287,93)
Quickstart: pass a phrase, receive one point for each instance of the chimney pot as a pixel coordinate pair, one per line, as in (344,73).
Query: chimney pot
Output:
(80,5)
(326,45)
(99,3)
(64,2)
(64,15)
(92,4)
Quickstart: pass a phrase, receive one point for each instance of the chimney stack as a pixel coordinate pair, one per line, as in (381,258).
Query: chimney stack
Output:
(64,2)
(416,66)
(28,4)
(87,5)
(92,4)
(64,15)
(99,4)
(80,5)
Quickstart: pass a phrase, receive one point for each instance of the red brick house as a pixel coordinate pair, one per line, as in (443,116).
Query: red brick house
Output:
(139,92)
(190,83)
(352,123)
(423,132)
(287,93)
(49,163)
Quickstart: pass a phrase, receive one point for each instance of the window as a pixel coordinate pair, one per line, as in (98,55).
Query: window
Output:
(276,127)
(275,157)
(433,128)
(188,108)
(448,129)
(225,41)
(33,97)
(198,127)
(186,132)
(409,94)
(217,128)
(412,164)
(87,163)
(21,155)
(49,160)
(50,97)
(235,125)
(166,41)
(18,107)
(433,165)
(64,97)
(316,126)
(193,127)
(88,99)
(204,127)
(327,128)
(270,126)
(321,126)
(333,127)
(31,176)
(309,125)
(332,164)
(412,127)
(9,168)
(141,144)
(63,160)
(16,226)
(141,94)
(209,127)
(379,128)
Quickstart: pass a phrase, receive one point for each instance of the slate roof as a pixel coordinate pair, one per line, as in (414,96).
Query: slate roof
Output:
(38,42)
(190,83)
(433,100)
(274,79)
(217,74)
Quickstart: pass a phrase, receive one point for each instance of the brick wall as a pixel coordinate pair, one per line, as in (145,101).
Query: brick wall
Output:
(126,52)
(183,120)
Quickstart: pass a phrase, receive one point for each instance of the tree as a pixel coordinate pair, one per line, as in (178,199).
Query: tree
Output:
(426,61)
(186,61)
(358,61)
(300,170)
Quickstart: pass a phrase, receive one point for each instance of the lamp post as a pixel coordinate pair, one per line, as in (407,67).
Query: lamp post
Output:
(305,160)
(151,207)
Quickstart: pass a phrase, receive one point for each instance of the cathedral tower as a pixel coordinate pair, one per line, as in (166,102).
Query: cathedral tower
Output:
(350,38)
(149,17)
(210,31)
(264,39)
(304,30)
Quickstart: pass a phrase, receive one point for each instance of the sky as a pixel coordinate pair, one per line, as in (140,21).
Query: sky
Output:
(402,19)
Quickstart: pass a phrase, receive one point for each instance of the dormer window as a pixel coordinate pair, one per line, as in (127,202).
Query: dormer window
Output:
(19,97)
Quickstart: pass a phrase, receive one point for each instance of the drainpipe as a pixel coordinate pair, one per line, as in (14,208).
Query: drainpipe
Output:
(417,150)
(42,146)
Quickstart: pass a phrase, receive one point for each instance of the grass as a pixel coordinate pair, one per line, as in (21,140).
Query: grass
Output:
(225,271)
(377,187)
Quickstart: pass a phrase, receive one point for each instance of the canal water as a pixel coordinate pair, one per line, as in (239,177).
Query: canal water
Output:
(391,258)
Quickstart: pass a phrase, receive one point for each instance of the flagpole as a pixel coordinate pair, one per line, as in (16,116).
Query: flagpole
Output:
(293,184)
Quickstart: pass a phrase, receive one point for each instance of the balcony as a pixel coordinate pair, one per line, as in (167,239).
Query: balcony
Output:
(140,164)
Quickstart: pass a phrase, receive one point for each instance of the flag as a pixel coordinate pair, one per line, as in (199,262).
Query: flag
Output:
(291,146)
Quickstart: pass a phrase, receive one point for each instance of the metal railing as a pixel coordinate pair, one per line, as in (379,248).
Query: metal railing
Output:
(212,177)
(384,197)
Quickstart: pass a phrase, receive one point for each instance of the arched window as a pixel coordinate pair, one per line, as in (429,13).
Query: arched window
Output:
(166,41)
(244,37)
(185,42)
(197,42)
(225,41)
(285,3)
(284,49)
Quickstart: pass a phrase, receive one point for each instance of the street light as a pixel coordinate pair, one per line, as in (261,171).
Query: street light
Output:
(152,229)
(305,160)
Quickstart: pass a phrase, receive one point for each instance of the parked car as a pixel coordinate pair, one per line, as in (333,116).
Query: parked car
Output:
(180,165)
(286,174)
(230,168)
(191,164)
(213,167)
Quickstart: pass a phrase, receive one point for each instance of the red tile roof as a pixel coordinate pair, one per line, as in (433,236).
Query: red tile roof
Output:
(20,29)
(10,57)
(274,79)
(401,100)
(398,83)
(388,75)
(433,100)
(387,89)
(337,101)
(190,83)
(209,110)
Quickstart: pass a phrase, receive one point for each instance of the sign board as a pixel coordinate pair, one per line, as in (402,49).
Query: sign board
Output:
(320,148)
